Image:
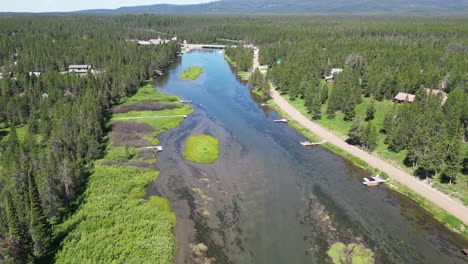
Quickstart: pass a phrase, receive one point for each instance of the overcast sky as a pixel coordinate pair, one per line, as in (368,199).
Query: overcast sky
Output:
(73,5)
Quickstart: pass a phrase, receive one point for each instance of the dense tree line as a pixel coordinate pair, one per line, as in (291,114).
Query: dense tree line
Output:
(52,137)
(242,56)
(54,124)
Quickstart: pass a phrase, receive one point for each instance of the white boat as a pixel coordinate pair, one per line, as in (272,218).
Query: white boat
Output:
(284,120)
(308,143)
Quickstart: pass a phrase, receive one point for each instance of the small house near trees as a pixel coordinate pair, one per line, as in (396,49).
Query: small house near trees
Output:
(333,71)
(68,93)
(401,98)
(79,69)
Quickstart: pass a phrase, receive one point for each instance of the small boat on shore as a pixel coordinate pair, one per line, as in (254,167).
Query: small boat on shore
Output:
(283,120)
(309,143)
(264,104)
(186,101)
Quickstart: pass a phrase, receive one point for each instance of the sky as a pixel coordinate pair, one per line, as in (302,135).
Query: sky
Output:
(72,5)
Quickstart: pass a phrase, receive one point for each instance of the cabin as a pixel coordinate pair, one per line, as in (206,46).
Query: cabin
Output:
(143,42)
(263,68)
(331,77)
(335,70)
(79,69)
(22,94)
(436,92)
(401,98)
(37,74)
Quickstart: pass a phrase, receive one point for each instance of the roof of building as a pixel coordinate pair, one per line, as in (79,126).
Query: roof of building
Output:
(405,96)
(35,73)
(68,93)
(78,66)
(335,70)
(432,91)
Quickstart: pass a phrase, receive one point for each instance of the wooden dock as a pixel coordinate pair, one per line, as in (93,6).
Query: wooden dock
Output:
(376,180)
(157,148)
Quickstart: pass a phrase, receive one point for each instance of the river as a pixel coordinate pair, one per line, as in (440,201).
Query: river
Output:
(267,199)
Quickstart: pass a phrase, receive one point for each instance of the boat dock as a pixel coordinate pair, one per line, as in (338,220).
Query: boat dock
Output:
(376,180)
(157,148)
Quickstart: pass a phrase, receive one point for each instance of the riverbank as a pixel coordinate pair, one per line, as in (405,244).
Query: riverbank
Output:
(444,208)
(428,197)
(114,219)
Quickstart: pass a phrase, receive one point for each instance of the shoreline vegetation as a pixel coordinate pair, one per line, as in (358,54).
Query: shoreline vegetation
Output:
(191,73)
(441,215)
(201,149)
(114,219)
(450,221)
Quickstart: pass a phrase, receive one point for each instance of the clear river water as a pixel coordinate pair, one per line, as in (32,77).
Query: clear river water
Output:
(267,199)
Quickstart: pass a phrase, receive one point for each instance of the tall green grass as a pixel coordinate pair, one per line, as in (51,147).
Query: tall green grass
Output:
(114,224)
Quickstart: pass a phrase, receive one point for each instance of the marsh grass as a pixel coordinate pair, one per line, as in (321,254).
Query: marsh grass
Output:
(114,224)
(191,73)
(201,149)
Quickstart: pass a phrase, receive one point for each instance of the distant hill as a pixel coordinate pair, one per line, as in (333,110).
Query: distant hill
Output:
(300,7)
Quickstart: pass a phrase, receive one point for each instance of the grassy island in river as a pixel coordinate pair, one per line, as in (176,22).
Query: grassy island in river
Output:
(201,149)
(191,73)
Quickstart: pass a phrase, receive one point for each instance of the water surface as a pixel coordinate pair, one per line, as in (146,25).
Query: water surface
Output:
(270,200)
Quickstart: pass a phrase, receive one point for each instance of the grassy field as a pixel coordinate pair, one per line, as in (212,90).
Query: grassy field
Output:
(201,149)
(114,224)
(191,73)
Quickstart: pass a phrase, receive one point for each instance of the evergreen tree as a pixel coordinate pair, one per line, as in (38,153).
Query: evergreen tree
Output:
(16,241)
(370,110)
(454,157)
(39,227)
(370,136)
(356,132)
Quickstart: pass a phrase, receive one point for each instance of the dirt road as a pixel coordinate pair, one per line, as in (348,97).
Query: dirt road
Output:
(440,199)
(445,202)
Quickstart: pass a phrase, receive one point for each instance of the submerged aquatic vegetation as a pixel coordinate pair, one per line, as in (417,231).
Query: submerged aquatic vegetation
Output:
(350,254)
